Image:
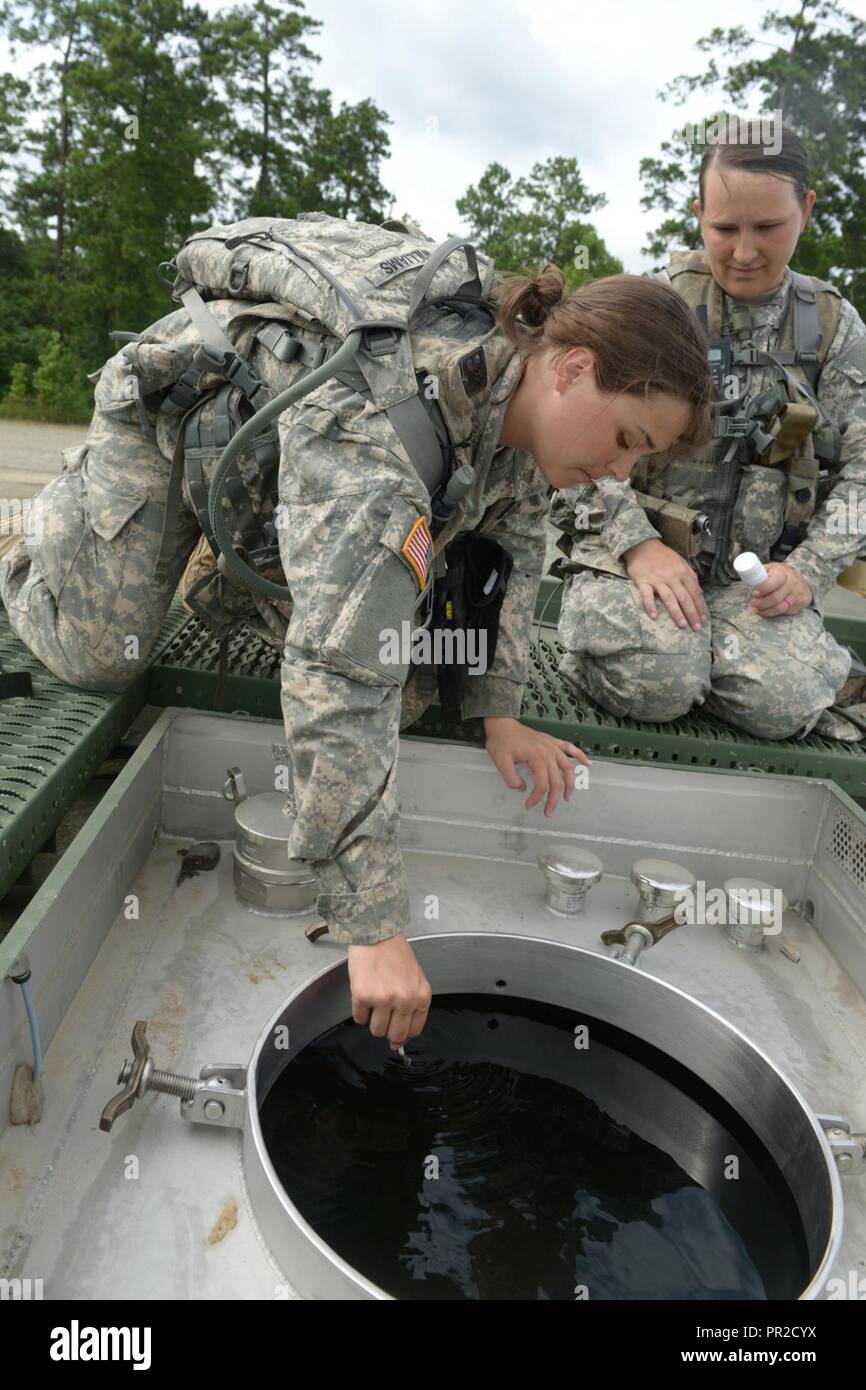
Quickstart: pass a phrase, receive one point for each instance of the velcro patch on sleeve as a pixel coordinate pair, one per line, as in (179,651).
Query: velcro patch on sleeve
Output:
(473,370)
(417,550)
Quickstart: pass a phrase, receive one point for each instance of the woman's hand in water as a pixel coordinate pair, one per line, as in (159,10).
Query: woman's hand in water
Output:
(510,742)
(656,569)
(389,989)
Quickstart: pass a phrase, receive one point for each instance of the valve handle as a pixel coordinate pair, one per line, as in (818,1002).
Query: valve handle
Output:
(656,930)
(125,1099)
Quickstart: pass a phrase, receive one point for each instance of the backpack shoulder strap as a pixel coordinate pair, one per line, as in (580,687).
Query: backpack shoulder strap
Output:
(690,275)
(817,307)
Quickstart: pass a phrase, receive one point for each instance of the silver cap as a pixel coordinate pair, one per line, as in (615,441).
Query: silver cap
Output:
(569,874)
(660,883)
(753,909)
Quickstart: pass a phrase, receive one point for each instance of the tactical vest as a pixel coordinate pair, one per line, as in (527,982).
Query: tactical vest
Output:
(784,428)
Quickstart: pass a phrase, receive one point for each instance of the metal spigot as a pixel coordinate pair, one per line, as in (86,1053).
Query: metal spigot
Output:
(569,874)
(19,971)
(661,887)
(216,1097)
(635,937)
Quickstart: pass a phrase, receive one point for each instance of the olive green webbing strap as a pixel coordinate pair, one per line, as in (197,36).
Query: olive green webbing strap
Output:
(469,289)
(420,440)
(173,501)
(807,333)
(414,427)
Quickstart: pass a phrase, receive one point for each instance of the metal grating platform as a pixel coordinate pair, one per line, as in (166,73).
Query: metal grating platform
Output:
(51,745)
(186,675)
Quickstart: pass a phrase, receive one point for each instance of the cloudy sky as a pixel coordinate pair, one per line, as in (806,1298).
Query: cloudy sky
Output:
(470,82)
(516,81)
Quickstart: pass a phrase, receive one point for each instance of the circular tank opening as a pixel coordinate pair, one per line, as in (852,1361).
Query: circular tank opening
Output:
(525,1149)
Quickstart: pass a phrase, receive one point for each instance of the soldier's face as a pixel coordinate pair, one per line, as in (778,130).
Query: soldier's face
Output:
(750,225)
(581,433)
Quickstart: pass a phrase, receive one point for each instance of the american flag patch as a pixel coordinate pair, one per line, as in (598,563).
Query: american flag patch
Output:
(417,549)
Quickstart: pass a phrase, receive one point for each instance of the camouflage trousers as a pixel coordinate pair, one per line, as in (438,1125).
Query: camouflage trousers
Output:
(80,591)
(769,676)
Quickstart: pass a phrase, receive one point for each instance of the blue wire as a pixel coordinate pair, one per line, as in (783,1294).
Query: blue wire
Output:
(34,1030)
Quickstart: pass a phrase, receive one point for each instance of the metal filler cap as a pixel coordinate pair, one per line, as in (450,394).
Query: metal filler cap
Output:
(569,874)
(263,873)
(660,885)
(754,909)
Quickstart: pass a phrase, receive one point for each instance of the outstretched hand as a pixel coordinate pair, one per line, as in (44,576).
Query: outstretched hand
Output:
(510,742)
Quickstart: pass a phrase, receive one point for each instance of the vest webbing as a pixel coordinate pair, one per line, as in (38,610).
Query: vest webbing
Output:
(808,328)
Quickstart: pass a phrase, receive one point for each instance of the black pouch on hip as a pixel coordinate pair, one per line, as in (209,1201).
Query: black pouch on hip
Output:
(468,600)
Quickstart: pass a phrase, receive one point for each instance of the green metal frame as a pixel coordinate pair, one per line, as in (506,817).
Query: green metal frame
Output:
(185,674)
(51,746)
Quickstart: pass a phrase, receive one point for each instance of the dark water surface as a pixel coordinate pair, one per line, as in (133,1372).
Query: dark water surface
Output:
(472,1173)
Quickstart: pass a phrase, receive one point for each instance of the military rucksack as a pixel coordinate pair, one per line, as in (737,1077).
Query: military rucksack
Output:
(316,278)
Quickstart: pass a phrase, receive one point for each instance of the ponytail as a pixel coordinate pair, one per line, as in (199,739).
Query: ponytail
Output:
(524,302)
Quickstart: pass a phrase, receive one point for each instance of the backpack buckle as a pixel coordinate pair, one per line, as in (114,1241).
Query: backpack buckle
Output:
(241,374)
(380,341)
(238,276)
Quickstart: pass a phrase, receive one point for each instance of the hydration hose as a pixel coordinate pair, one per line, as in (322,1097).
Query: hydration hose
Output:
(228,557)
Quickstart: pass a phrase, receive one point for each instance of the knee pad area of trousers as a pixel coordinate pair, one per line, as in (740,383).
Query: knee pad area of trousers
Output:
(773,712)
(642,686)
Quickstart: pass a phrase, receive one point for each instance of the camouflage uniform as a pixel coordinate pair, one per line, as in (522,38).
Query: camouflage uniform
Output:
(769,676)
(348,496)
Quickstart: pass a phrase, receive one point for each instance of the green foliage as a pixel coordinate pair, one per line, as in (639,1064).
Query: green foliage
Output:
(815,73)
(56,390)
(57,382)
(17,339)
(143,124)
(529,222)
(19,383)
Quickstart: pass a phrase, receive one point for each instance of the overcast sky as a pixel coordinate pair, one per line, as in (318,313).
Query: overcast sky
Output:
(516,81)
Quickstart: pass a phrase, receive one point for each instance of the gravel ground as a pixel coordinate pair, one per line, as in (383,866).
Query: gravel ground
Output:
(30,454)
